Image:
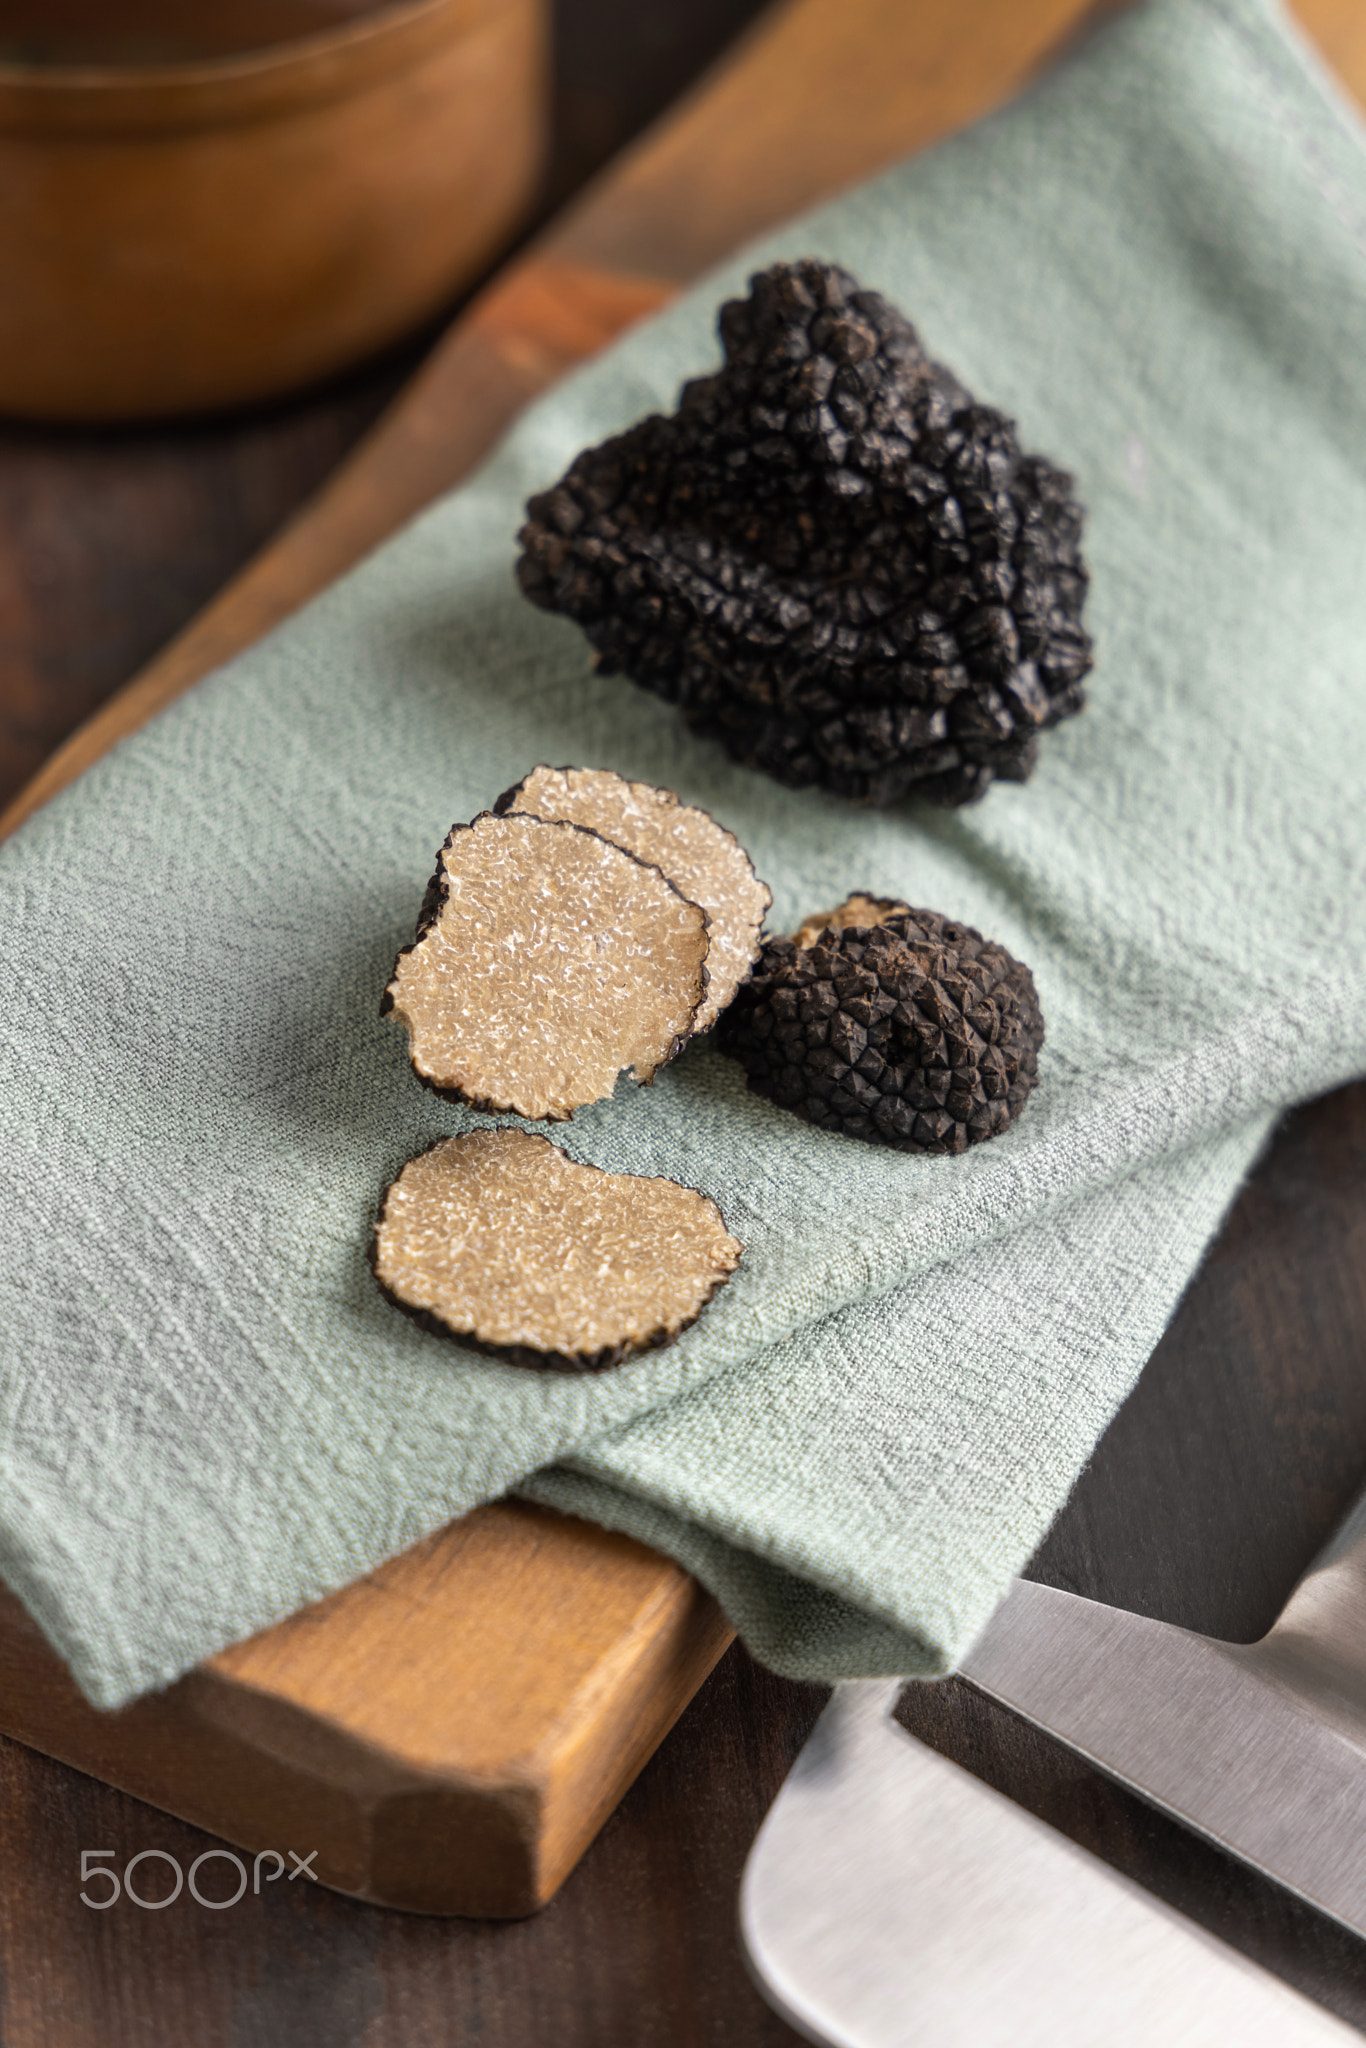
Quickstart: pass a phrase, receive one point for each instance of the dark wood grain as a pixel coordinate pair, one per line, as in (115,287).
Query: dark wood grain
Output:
(1245,1440)
(109,541)
(819,96)
(638,1949)
(618,66)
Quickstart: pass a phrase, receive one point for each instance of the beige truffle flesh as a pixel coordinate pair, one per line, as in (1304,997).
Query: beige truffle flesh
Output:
(699,856)
(499,1240)
(867,911)
(547,961)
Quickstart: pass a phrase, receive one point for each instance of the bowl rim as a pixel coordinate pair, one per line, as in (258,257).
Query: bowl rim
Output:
(324,63)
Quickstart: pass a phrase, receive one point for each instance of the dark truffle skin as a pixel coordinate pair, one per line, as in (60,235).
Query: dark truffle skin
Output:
(830,557)
(916,1032)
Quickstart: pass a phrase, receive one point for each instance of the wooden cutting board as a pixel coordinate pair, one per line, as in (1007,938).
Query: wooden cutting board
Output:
(448,1733)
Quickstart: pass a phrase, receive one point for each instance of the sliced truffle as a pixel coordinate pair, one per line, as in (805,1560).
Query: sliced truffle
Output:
(499,1240)
(831,557)
(908,1030)
(547,961)
(701,858)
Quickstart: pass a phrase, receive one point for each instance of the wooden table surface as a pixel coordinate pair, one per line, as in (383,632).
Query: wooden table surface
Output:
(1229,1466)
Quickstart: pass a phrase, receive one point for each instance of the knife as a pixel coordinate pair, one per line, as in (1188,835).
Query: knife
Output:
(890,1897)
(1261,1747)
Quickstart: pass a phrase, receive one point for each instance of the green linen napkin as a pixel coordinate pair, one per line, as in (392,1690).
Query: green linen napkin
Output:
(208,1415)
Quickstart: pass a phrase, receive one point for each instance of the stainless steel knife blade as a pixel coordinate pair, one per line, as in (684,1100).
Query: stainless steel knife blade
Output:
(1260,1747)
(891,1899)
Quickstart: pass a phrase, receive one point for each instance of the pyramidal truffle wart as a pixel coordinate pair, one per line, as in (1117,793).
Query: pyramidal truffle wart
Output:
(831,557)
(890,1024)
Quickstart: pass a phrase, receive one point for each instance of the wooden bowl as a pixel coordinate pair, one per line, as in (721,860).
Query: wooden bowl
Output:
(212,201)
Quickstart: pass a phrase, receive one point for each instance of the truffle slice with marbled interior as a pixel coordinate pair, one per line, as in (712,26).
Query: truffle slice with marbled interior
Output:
(698,855)
(547,961)
(500,1241)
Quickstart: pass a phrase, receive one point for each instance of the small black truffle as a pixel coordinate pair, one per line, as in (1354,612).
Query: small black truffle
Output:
(830,557)
(913,1031)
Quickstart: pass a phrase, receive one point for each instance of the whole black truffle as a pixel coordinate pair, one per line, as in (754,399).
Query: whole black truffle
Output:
(830,557)
(913,1031)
